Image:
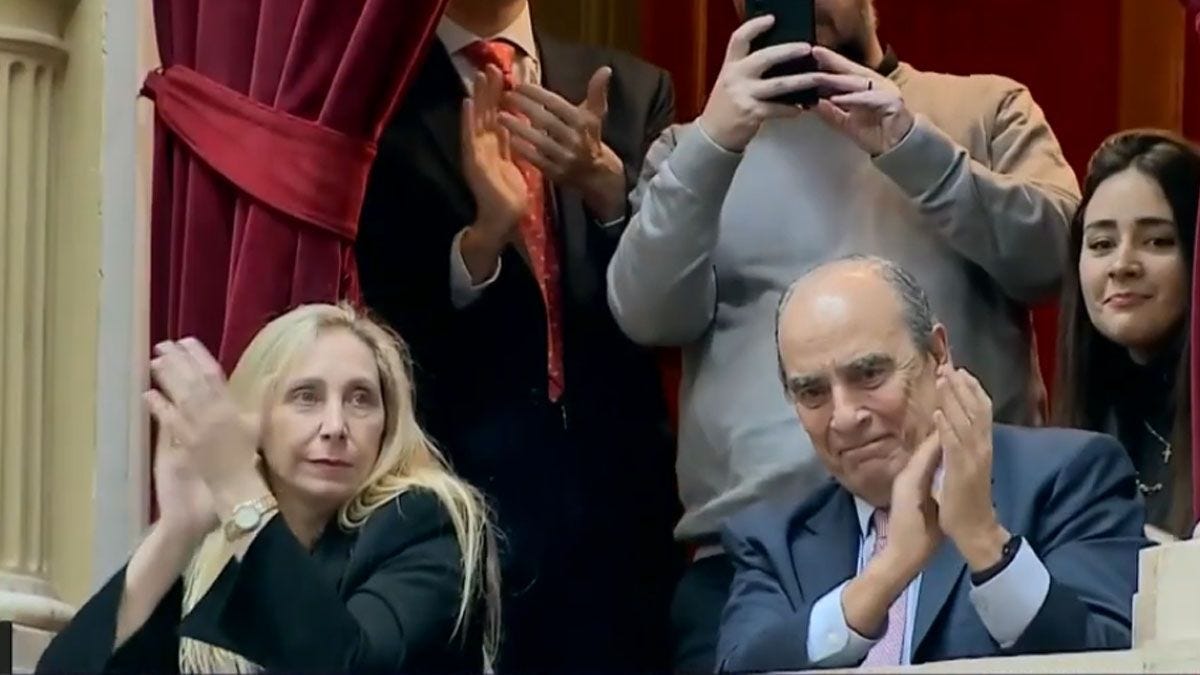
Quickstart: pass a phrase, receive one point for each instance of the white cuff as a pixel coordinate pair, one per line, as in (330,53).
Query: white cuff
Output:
(462,291)
(608,225)
(1008,602)
(831,641)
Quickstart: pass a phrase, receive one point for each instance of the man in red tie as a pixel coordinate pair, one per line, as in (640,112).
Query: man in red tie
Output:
(498,196)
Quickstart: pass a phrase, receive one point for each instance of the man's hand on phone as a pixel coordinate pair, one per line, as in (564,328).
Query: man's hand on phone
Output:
(859,102)
(740,100)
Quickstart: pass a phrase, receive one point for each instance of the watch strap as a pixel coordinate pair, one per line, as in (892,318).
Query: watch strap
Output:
(263,506)
(1007,555)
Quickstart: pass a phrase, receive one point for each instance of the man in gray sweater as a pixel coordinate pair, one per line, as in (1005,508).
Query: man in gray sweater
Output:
(959,179)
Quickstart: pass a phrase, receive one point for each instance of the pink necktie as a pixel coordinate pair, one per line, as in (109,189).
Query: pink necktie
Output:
(889,650)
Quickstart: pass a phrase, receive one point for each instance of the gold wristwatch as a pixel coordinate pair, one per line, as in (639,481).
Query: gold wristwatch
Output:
(248,516)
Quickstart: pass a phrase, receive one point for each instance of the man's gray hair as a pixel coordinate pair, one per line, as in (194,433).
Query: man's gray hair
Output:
(914,303)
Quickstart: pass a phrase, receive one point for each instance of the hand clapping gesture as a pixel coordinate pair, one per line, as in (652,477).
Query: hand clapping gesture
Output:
(563,140)
(215,442)
(501,196)
(913,532)
(965,511)
(185,504)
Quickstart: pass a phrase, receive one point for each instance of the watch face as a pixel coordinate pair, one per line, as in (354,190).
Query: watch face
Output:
(246,517)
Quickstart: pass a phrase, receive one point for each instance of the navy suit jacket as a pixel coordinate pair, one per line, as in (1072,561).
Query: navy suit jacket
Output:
(1071,494)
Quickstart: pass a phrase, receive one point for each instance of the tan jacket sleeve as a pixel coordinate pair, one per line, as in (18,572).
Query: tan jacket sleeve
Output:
(1010,217)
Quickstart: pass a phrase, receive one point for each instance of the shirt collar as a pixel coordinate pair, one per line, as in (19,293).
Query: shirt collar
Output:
(865,511)
(519,32)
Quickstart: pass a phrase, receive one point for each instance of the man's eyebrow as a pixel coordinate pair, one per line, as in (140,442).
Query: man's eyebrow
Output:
(869,362)
(796,382)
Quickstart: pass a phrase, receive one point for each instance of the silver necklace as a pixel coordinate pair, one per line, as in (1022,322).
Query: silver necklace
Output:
(1166,458)
(1166,452)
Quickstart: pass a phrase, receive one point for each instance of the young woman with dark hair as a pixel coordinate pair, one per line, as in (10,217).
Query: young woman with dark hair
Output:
(1123,327)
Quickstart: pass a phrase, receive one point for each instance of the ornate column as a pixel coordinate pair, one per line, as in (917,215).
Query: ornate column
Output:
(32,57)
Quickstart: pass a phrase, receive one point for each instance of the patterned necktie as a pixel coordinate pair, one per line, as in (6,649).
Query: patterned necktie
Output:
(537,236)
(889,650)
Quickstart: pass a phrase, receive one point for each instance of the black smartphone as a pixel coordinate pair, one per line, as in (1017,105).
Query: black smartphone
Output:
(795,21)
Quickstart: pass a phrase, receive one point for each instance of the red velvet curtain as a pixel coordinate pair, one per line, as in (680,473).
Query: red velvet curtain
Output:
(269,111)
(268,115)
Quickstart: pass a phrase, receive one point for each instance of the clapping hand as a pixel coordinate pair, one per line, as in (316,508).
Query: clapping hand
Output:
(194,407)
(563,140)
(913,530)
(965,511)
(913,536)
(185,503)
(501,196)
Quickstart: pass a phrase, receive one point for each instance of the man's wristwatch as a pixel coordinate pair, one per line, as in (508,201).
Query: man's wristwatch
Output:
(248,516)
(1007,555)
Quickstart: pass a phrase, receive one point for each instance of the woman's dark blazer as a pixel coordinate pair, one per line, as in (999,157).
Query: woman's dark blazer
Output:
(383,597)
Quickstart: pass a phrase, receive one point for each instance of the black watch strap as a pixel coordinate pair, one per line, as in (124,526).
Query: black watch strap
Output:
(1008,553)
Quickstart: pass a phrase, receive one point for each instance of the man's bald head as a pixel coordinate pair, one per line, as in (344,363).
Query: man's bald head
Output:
(864,273)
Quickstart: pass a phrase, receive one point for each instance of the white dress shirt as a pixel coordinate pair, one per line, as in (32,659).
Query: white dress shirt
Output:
(527,69)
(1006,604)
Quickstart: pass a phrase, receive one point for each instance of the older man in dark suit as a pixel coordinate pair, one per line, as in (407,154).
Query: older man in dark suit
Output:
(943,536)
(484,239)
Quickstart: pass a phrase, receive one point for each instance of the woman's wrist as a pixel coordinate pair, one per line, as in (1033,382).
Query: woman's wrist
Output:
(238,489)
(175,538)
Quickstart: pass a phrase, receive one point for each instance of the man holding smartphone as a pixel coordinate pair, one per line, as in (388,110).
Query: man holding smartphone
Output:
(957,178)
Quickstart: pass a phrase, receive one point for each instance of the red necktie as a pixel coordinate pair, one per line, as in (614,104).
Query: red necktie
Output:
(537,235)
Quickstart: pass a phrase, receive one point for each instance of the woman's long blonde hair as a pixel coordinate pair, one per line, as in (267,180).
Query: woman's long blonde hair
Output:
(407,460)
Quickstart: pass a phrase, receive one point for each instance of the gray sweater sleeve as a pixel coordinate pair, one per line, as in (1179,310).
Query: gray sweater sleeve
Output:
(661,281)
(1011,218)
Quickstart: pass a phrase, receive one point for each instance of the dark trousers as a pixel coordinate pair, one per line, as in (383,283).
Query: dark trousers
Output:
(523,460)
(696,613)
(586,581)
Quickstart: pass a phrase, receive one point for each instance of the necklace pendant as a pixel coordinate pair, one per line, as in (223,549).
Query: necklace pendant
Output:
(1166,451)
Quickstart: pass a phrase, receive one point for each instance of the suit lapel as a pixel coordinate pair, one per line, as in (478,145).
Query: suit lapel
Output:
(437,97)
(826,551)
(938,581)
